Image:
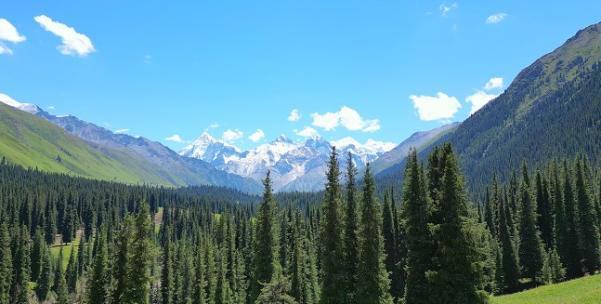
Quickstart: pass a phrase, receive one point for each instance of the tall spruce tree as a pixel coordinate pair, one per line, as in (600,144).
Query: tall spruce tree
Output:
(510,269)
(266,254)
(167,270)
(589,231)
(416,208)
(456,278)
(332,245)
(60,285)
(142,254)
(544,210)
(6,263)
(351,239)
(571,257)
(390,246)
(44,283)
(531,248)
(374,285)
(98,283)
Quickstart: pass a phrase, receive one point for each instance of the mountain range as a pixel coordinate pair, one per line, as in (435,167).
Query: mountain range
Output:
(294,165)
(552,109)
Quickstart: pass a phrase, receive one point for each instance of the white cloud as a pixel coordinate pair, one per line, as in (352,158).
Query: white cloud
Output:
(436,107)
(74,43)
(8,32)
(445,9)
(483,96)
(308,132)
(479,99)
(121,131)
(4,50)
(346,117)
(294,115)
(50,107)
(496,18)
(214,125)
(258,135)
(231,136)
(494,83)
(175,138)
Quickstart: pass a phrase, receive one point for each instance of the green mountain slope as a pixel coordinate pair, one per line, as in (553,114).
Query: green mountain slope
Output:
(32,141)
(552,109)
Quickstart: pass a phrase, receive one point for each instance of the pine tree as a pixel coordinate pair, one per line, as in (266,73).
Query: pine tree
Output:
(99,280)
(121,261)
(265,255)
(374,285)
(351,240)
(332,245)
(531,251)
(276,291)
(200,281)
(71,274)
(589,231)
(390,246)
(544,210)
(167,272)
(6,263)
(571,256)
(456,279)
(510,269)
(36,255)
(60,285)
(419,244)
(20,288)
(142,251)
(45,278)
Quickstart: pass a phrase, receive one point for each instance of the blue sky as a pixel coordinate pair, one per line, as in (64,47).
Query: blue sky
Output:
(159,69)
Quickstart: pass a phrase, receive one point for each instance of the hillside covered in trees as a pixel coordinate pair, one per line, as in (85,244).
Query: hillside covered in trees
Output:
(551,109)
(74,240)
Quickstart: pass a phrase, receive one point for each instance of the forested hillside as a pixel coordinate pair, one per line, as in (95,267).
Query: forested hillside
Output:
(551,110)
(75,240)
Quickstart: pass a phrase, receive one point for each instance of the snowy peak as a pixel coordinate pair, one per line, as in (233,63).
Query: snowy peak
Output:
(207,148)
(295,166)
(27,107)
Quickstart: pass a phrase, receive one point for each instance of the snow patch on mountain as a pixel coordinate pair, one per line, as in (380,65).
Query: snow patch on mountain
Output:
(294,165)
(27,107)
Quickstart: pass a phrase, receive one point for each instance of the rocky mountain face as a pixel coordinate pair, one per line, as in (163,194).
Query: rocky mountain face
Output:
(295,166)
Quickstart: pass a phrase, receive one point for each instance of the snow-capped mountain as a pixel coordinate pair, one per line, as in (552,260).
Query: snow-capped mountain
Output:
(27,107)
(295,166)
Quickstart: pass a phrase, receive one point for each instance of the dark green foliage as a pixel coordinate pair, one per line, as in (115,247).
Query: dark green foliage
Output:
(265,254)
(419,244)
(6,264)
(331,238)
(456,278)
(351,239)
(98,283)
(45,278)
(60,285)
(589,231)
(544,210)
(374,284)
(276,291)
(530,248)
(510,269)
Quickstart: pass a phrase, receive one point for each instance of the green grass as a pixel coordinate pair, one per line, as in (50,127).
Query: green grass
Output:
(55,251)
(33,142)
(585,290)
